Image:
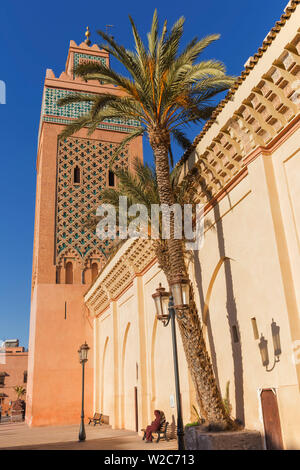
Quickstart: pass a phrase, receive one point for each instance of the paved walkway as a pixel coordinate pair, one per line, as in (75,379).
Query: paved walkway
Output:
(18,436)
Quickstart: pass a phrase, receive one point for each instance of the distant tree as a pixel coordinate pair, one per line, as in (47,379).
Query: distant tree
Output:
(20,391)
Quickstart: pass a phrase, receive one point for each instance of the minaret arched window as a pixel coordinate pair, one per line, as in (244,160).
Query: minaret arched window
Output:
(94,271)
(111,178)
(69,273)
(76,174)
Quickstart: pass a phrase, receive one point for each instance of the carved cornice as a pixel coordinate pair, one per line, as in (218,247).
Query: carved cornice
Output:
(263,113)
(133,258)
(257,121)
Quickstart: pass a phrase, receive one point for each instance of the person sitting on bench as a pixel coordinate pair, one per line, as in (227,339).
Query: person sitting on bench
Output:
(154,426)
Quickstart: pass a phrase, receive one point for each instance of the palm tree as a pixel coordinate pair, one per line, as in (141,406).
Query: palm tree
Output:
(140,187)
(20,391)
(166,91)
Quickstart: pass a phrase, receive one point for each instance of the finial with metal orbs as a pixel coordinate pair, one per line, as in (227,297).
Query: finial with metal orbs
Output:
(87,34)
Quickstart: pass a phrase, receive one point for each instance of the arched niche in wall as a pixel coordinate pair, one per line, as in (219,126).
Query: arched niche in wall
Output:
(69,272)
(94,269)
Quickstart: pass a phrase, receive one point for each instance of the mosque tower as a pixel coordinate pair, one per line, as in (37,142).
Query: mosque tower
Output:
(67,257)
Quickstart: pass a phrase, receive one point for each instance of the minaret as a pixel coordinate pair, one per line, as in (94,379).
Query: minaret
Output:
(66,256)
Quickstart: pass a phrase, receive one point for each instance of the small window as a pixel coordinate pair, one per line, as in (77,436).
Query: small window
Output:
(2,379)
(94,271)
(25,377)
(111,178)
(77,174)
(69,273)
(57,276)
(83,277)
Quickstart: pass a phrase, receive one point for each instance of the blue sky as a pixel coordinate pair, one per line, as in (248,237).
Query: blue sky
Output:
(34,36)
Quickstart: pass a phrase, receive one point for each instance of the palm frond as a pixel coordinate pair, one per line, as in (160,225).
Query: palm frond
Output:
(153,35)
(140,48)
(75,98)
(75,126)
(181,138)
(136,133)
(167,88)
(171,44)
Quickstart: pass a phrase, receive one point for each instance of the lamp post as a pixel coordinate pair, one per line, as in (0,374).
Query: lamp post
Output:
(83,353)
(165,311)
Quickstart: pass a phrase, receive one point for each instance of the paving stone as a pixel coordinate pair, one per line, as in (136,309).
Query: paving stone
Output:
(18,436)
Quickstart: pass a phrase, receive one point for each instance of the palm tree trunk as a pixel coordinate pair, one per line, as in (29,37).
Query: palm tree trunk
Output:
(198,360)
(208,395)
(159,141)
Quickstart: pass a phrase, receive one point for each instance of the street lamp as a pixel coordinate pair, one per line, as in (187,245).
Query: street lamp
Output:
(165,312)
(161,300)
(83,353)
(180,289)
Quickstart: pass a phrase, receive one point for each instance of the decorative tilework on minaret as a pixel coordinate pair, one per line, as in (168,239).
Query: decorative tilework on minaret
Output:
(76,200)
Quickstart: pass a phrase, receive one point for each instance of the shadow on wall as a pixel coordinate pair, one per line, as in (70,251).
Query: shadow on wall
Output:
(264,350)
(232,316)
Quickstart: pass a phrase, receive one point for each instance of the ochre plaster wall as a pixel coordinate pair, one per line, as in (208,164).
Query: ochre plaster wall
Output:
(247,268)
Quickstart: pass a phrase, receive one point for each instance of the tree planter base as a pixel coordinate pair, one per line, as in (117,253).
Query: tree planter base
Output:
(197,439)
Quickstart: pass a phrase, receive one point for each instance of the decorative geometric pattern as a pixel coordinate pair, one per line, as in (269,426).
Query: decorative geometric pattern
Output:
(73,110)
(76,200)
(108,127)
(79,58)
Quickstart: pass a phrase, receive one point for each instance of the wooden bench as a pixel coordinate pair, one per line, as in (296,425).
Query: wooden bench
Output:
(161,432)
(96,419)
